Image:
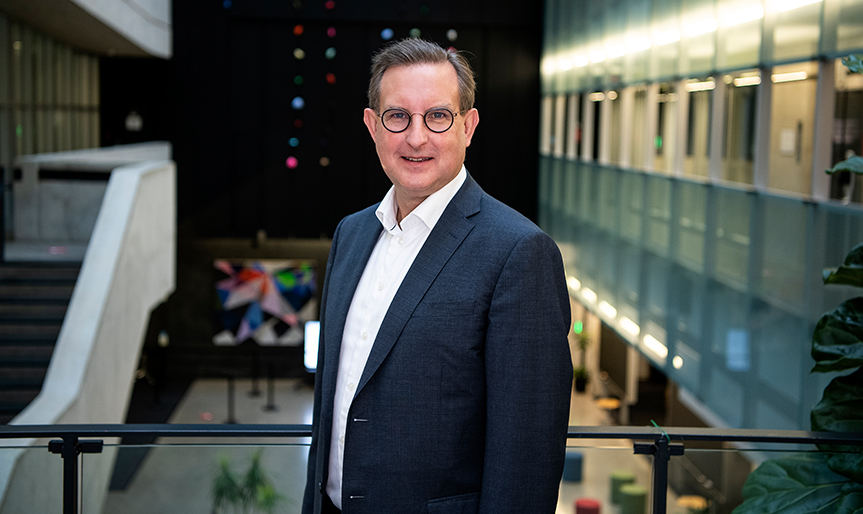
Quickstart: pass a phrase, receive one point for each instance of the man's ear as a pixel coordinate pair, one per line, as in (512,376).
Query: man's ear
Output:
(471,120)
(371,120)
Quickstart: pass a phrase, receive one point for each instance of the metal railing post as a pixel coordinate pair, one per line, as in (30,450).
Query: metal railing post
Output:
(69,449)
(662,450)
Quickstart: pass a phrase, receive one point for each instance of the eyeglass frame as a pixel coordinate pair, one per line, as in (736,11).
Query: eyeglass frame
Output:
(411,118)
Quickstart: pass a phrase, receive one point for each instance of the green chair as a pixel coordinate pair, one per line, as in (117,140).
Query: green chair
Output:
(620,478)
(633,499)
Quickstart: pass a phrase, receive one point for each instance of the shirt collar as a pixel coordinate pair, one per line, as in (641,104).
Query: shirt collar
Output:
(429,211)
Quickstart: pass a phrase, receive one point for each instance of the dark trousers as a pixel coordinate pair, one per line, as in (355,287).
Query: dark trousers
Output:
(327,506)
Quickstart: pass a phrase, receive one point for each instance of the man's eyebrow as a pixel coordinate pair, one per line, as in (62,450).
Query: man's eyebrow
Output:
(442,106)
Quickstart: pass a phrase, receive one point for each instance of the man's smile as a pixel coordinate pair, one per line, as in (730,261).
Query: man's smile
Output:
(417,159)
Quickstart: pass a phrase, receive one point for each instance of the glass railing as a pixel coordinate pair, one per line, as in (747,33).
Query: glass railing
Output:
(212,468)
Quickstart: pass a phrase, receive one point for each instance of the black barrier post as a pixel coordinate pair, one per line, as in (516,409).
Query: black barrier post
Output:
(231,419)
(271,388)
(256,362)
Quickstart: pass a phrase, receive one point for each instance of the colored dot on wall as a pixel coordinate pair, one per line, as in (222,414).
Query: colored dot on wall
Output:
(578,327)
(227,4)
(415,32)
(387,34)
(331,79)
(452,34)
(294,142)
(330,53)
(329,5)
(325,161)
(298,4)
(298,103)
(298,80)
(298,30)
(292,163)
(424,10)
(299,53)
(298,123)
(331,32)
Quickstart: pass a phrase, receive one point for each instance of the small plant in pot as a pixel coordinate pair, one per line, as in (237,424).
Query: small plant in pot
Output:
(580,373)
(252,492)
(580,376)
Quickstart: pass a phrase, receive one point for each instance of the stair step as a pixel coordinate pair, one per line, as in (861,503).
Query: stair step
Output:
(23,377)
(17,399)
(27,340)
(39,271)
(36,292)
(32,311)
(11,355)
(28,329)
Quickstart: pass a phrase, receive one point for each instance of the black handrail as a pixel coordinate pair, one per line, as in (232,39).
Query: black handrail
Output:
(680,434)
(662,445)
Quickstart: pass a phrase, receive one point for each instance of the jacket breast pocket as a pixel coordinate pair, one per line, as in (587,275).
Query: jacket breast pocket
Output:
(461,504)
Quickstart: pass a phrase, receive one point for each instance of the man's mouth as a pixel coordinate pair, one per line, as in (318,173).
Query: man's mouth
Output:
(417,159)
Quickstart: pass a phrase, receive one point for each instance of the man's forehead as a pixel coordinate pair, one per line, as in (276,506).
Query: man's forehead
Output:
(446,89)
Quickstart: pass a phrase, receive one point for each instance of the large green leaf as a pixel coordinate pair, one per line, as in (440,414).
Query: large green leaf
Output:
(851,271)
(854,63)
(841,406)
(800,484)
(837,344)
(852,498)
(854,164)
(849,465)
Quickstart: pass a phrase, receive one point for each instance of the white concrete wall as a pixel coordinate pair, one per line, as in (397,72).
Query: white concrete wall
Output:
(129,268)
(146,23)
(60,211)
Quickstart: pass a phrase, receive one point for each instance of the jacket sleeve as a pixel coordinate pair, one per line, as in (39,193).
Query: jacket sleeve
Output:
(528,381)
(314,475)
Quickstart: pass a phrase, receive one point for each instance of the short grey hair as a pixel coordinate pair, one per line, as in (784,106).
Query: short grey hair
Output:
(408,52)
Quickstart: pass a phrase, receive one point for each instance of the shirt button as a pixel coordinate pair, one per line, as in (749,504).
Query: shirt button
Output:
(351,386)
(401,240)
(342,440)
(365,335)
(381,286)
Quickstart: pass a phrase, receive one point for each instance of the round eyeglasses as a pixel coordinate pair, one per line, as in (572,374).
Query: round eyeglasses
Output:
(436,120)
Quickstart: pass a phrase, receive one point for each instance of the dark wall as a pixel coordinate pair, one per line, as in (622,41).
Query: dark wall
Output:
(224,100)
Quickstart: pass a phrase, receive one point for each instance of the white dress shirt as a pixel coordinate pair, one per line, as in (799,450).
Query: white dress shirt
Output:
(395,251)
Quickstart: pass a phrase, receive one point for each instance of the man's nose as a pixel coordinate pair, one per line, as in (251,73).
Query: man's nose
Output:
(417,133)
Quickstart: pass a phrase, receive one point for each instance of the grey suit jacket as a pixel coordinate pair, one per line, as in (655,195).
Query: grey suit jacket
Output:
(463,405)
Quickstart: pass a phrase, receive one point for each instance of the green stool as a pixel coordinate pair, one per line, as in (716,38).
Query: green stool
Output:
(633,499)
(620,478)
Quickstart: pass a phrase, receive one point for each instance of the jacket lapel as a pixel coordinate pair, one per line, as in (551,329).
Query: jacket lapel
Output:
(355,248)
(449,232)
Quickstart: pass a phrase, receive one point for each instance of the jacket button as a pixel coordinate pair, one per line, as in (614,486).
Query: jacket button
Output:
(321,487)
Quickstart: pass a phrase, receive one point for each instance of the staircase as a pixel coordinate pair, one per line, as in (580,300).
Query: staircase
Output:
(33,301)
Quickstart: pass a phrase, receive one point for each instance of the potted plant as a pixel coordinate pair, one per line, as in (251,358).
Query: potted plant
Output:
(580,376)
(580,373)
(252,492)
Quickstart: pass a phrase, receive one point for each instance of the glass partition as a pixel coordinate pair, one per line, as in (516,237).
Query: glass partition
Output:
(186,475)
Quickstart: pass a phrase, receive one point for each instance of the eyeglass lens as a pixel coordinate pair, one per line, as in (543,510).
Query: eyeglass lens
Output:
(398,120)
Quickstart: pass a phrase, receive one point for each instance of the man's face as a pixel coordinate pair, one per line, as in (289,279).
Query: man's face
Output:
(418,161)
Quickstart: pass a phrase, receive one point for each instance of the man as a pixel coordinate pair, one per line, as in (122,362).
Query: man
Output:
(444,372)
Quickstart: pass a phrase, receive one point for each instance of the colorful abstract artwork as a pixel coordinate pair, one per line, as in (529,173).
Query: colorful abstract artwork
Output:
(267,301)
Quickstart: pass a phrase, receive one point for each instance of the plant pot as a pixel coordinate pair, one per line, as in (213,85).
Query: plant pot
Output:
(580,384)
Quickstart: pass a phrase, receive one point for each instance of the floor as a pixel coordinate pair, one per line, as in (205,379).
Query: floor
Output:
(177,476)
